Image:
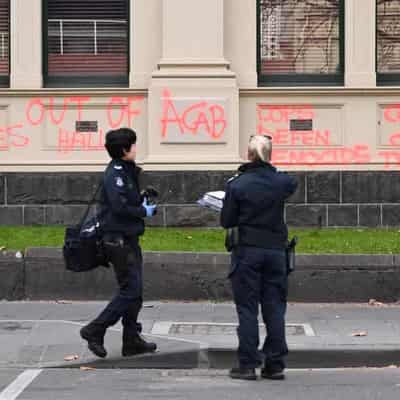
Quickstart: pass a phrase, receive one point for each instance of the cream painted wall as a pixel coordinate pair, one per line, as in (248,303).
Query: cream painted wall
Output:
(204,55)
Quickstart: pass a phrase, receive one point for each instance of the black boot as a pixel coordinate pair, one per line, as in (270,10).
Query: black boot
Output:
(94,335)
(248,374)
(135,344)
(275,374)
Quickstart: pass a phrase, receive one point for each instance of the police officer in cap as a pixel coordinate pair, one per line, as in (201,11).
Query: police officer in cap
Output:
(121,216)
(254,205)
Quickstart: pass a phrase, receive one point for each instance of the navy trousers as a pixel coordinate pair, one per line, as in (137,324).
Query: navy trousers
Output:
(258,277)
(126,258)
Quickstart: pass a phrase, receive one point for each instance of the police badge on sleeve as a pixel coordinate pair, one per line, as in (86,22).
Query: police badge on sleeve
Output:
(119,181)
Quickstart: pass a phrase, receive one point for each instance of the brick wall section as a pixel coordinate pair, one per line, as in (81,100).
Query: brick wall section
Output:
(328,198)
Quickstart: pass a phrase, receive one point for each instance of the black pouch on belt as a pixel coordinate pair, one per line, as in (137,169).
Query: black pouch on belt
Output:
(291,255)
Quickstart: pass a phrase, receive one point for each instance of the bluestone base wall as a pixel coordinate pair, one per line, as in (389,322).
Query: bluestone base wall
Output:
(329,198)
(41,275)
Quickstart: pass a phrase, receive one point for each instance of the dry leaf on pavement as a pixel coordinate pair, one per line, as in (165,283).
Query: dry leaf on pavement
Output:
(373,302)
(357,334)
(87,368)
(71,357)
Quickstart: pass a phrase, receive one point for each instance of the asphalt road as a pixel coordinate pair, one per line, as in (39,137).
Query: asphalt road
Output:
(67,384)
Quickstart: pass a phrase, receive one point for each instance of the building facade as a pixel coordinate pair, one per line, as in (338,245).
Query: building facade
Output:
(195,79)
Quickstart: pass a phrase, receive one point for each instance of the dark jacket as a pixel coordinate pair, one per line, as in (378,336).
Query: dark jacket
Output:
(121,203)
(254,201)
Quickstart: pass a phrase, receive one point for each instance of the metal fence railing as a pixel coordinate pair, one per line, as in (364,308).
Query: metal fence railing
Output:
(86,28)
(3,45)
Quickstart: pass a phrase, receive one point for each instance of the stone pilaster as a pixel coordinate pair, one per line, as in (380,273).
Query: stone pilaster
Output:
(360,46)
(26,44)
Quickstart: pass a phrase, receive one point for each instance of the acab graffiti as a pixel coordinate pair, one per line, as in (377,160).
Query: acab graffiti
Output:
(201,116)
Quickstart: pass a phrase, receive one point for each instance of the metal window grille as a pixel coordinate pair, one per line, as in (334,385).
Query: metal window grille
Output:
(4,41)
(87,41)
(388,41)
(300,38)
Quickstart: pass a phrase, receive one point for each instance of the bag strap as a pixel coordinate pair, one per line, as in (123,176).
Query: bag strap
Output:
(91,202)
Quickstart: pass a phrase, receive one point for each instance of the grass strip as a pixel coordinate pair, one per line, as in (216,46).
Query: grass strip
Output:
(312,241)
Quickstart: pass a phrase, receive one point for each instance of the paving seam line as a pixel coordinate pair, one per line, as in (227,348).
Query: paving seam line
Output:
(202,345)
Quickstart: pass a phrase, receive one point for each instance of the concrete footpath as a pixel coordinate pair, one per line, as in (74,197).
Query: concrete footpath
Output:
(198,335)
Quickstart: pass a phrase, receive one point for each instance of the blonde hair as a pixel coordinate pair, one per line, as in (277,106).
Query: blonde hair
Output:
(260,148)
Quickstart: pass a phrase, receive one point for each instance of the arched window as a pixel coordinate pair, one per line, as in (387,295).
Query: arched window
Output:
(388,42)
(300,43)
(86,43)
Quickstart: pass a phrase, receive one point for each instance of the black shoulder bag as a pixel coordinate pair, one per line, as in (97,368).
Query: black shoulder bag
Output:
(83,247)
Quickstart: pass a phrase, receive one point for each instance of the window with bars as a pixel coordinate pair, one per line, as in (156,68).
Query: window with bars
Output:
(300,43)
(4,42)
(388,42)
(86,43)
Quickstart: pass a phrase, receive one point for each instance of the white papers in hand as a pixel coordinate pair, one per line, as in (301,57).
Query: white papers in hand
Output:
(213,200)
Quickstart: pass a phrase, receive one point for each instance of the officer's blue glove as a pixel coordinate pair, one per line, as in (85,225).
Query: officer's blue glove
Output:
(151,209)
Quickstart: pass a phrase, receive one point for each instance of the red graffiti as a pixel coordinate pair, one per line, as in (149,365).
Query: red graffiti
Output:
(358,154)
(11,139)
(391,157)
(87,141)
(392,113)
(285,137)
(279,114)
(201,116)
(120,110)
(394,139)
(126,109)
(38,109)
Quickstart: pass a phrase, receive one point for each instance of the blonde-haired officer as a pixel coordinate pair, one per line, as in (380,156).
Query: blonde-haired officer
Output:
(254,204)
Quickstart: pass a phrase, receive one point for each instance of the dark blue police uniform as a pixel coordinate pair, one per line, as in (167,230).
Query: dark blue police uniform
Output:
(254,202)
(122,223)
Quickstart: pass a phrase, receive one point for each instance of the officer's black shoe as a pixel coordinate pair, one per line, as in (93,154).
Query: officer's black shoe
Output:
(273,374)
(136,345)
(94,335)
(248,374)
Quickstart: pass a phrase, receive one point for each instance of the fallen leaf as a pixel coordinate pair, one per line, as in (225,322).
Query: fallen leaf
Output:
(373,302)
(87,368)
(357,334)
(71,357)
